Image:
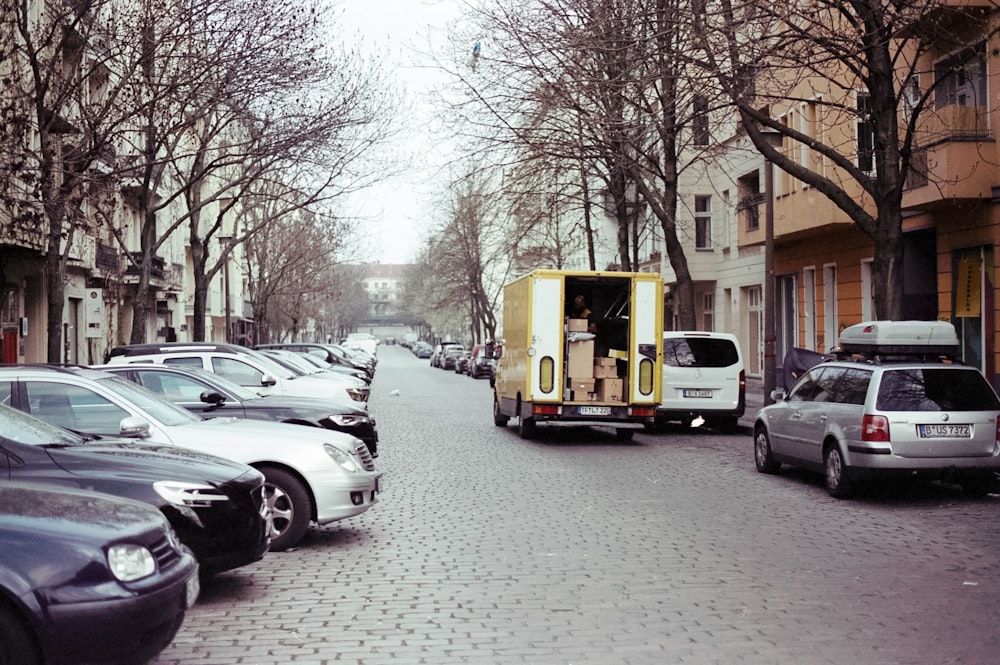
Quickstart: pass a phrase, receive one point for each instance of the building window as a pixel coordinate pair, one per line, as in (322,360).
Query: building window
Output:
(866,134)
(703,222)
(755,329)
(809,306)
(867,302)
(831,331)
(708,311)
(960,80)
(750,200)
(699,120)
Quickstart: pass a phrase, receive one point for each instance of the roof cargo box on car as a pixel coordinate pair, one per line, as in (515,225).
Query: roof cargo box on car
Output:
(900,337)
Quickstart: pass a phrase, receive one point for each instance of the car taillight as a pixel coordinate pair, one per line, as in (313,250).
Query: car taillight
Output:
(998,429)
(875,428)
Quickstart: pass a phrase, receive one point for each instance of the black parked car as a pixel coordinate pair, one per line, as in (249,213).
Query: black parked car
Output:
(331,353)
(215,505)
(208,394)
(88,578)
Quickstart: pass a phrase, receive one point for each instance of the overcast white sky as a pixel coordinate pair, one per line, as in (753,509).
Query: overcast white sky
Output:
(399,210)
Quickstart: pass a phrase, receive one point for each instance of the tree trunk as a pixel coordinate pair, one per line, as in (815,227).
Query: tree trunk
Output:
(887,271)
(54,274)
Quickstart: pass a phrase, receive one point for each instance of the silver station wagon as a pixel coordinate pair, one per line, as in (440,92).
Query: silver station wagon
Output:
(893,401)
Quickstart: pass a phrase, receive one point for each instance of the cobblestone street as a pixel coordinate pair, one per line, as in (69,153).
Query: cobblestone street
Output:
(578,549)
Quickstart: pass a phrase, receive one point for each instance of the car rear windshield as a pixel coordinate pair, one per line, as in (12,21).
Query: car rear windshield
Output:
(931,389)
(699,352)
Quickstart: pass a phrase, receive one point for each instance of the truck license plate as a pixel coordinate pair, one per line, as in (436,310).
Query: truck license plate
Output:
(690,392)
(595,410)
(944,431)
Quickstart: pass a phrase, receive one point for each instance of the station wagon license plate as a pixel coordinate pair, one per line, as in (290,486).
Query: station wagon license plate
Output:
(691,392)
(595,410)
(945,431)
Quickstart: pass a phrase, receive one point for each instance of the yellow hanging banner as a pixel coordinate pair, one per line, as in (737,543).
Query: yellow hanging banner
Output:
(968,291)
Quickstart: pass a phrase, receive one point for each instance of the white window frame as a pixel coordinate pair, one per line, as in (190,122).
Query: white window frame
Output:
(809,305)
(831,331)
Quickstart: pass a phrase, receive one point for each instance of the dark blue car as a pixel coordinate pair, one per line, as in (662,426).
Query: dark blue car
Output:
(87,578)
(216,506)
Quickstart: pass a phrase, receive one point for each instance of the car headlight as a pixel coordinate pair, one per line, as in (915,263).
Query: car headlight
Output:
(130,562)
(345,420)
(357,395)
(347,461)
(189,495)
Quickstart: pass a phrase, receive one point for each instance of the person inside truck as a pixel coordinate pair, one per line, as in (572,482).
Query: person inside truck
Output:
(581,311)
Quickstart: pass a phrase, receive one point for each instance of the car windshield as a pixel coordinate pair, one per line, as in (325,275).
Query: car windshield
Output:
(270,365)
(699,352)
(167,413)
(19,426)
(313,360)
(222,381)
(294,361)
(935,389)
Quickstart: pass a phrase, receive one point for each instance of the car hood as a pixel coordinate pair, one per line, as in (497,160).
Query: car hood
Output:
(245,435)
(58,512)
(127,458)
(321,407)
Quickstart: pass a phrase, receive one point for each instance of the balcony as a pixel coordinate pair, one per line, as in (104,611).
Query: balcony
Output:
(954,123)
(956,142)
(157,272)
(949,17)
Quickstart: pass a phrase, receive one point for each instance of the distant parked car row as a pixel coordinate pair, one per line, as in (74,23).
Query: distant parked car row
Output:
(190,491)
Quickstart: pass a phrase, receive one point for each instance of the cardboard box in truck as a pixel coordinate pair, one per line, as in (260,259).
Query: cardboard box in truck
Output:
(547,346)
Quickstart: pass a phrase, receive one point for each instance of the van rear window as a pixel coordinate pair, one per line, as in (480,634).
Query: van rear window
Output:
(932,389)
(699,352)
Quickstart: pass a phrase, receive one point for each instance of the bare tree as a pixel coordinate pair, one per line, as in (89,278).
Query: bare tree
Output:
(858,65)
(608,88)
(288,263)
(297,109)
(62,109)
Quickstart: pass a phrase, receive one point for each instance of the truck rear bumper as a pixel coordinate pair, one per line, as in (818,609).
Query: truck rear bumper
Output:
(576,414)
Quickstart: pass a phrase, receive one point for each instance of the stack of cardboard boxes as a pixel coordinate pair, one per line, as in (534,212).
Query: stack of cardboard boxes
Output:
(591,379)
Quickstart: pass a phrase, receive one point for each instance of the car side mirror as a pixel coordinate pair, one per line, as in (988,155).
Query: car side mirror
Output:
(778,395)
(212,397)
(268,380)
(133,427)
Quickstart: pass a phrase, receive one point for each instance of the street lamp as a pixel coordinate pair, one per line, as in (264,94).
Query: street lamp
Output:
(773,139)
(227,244)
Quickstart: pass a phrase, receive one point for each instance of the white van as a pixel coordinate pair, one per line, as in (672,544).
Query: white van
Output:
(703,378)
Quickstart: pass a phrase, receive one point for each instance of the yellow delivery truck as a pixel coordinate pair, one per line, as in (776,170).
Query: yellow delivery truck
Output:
(580,348)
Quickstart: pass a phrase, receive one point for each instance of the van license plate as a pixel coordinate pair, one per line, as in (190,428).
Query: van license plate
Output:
(944,431)
(690,392)
(595,410)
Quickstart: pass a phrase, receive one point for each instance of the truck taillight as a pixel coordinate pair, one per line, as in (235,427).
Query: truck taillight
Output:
(874,428)
(545,410)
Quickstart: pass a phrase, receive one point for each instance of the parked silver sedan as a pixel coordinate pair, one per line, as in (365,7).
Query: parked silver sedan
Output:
(905,412)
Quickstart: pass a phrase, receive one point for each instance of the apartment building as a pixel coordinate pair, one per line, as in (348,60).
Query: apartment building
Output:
(823,263)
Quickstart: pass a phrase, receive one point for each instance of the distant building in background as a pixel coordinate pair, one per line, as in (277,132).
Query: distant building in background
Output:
(385,285)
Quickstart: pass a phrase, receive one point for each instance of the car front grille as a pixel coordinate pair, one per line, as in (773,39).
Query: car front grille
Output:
(165,552)
(365,455)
